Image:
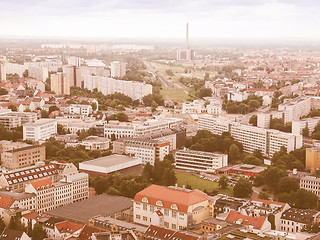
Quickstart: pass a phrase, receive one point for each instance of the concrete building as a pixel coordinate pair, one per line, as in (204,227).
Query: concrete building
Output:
(126,129)
(147,150)
(80,109)
(171,207)
(312,159)
(60,83)
(39,73)
(39,130)
(299,125)
(296,108)
(109,164)
(310,183)
(118,69)
(135,90)
(96,143)
(264,119)
(23,157)
(9,145)
(268,141)
(200,161)
(198,107)
(79,183)
(242,169)
(16,119)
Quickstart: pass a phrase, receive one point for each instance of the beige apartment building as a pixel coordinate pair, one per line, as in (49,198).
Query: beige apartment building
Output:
(60,83)
(313,159)
(23,157)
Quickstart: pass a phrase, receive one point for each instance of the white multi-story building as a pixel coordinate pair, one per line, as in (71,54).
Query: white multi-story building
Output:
(39,73)
(200,161)
(126,129)
(299,125)
(214,125)
(147,150)
(135,90)
(268,141)
(118,69)
(80,109)
(41,129)
(198,106)
(96,143)
(264,119)
(310,183)
(171,207)
(296,108)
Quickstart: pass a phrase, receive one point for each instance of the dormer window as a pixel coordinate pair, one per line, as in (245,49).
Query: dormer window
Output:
(159,203)
(174,206)
(145,200)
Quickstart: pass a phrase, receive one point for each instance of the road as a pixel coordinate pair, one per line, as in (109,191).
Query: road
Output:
(155,73)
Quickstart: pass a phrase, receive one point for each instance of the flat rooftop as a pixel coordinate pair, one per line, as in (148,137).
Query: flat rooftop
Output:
(110,161)
(83,211)
(40,122)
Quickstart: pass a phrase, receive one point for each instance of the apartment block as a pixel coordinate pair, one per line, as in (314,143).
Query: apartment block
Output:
(171,207)
(135,90)
(268,141)
(126,129)
(296,108)
(313,159)
(264,119)
(200,161)
(41,129)
(60,83)
(79,185)
(39,73)
(118,69)
(9,145)
(22,157)
(310,183)
(147,150)
(299,125)
(16,119)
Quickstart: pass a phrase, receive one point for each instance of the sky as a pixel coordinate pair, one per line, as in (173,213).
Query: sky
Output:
(154,19)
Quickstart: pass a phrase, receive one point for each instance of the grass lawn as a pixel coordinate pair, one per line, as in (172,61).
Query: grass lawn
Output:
(201,184)
(175,94)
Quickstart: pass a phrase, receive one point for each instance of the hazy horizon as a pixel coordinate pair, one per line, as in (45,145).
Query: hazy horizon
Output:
(123,19)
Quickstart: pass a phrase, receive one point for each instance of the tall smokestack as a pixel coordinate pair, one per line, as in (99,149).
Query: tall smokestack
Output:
(187,35)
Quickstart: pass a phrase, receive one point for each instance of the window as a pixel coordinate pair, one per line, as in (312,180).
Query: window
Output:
(174,214)
(151,208)
(145,200)
(166,212)
(145,218)
(145,207)
(159,203)
(137,216)
(166,224)
(174,226)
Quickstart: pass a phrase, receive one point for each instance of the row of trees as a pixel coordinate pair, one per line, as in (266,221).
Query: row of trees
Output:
(249,105)
(14,134)
(162,173)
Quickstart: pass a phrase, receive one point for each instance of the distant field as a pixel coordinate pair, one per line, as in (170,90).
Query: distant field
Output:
(201,184)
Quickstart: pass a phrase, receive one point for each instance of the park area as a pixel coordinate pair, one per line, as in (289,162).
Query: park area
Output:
(197,183)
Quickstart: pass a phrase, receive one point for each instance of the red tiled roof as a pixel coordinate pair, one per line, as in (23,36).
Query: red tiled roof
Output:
(155,232)
(169,196)
(256,222)
(6,203)
(68,227)
(261,89)
(42,183)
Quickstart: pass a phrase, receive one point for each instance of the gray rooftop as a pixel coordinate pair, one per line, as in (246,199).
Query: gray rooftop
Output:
(83,211)
(109,161)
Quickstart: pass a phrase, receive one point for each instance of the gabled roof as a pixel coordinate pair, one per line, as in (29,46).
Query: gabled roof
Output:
(6,203)
(42,183)
(183,198)
(68,227)
(238,218)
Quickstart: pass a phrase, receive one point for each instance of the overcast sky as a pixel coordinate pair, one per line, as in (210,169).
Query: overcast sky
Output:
(161,18)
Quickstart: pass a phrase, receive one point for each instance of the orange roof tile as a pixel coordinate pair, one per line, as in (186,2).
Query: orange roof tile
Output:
(256,222)
(268,202)
(169,196)
(68,227)
(42,183)
(31,215)
(6,203)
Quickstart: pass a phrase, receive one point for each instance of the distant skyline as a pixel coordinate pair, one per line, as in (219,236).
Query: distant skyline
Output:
(218,19)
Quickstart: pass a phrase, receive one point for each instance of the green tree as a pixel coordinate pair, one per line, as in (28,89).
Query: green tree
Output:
(253,120)
(3,91)
(264,195)
(287,184)
(53,108)
(242,189)
(205,92)
(13,108)
(250,159)
(254,104)
(223,181)
(25,73)
(94,106)
(272,220)
(38,233)
(44,114)
(305,131)
(234,153)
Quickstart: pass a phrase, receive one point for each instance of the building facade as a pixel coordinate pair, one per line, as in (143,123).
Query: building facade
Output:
(39,130)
